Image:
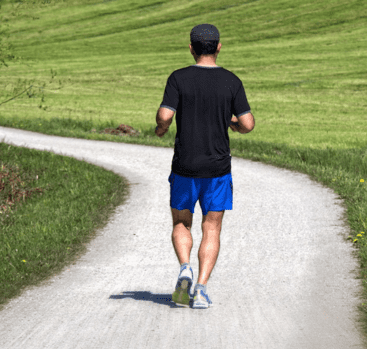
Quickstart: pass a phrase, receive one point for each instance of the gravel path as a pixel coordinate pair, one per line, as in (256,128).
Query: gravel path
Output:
(284,277)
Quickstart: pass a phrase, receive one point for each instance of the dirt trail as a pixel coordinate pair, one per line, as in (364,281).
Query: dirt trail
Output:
(284,276)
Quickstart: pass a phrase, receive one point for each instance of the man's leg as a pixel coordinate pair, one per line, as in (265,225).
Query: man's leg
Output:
(182,242)
(210,243)
(181,234)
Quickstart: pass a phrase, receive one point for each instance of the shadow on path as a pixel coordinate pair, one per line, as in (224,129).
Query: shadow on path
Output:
(159,298)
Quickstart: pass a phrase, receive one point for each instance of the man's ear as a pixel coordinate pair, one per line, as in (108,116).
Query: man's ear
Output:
(191,50)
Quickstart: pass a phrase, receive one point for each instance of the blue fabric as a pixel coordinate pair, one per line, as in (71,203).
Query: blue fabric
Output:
(214,194)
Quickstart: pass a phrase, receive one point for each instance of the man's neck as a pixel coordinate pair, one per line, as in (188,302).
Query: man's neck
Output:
(206,65)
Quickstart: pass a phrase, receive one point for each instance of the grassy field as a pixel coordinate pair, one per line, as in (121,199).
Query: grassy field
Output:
(301,63)
(45,219)
(97,64)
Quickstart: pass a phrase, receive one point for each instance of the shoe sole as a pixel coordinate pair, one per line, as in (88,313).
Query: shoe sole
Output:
(181,295)
(200,306)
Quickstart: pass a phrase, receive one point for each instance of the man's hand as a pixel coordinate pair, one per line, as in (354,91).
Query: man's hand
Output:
(234,124)
(247,124)
(160,132)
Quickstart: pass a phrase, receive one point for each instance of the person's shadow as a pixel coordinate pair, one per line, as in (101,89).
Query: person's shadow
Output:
(159,298)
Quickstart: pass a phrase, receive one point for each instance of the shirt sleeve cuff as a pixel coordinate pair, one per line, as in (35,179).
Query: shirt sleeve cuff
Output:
(246,112)
(166,106)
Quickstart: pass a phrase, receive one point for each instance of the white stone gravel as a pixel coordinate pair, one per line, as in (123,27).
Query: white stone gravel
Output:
(285,277)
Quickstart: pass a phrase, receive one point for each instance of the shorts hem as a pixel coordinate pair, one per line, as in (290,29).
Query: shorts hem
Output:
(181,209)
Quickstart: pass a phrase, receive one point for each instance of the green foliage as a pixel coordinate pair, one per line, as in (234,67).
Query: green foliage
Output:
(15,188)
(5,52)
(48,230)
(32,89)
(301,65)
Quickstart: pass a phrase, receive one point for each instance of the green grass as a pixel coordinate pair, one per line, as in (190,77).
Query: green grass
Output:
(301,63)
(49,229)
(97,64)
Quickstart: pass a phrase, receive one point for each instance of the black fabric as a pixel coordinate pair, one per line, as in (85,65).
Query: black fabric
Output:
(204,99)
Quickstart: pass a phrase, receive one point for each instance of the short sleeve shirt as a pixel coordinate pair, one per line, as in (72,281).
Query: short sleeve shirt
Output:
(204,99)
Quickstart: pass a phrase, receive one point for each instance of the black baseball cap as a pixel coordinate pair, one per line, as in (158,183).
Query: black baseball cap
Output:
(204,32)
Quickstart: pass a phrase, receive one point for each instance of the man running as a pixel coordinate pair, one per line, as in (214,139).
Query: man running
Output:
(204,97)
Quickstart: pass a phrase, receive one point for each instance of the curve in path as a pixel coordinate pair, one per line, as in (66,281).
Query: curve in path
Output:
(284,276)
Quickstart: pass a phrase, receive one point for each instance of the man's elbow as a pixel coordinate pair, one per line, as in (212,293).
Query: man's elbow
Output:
(248,125)
(249,128)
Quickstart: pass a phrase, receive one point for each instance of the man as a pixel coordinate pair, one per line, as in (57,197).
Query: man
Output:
(204,97)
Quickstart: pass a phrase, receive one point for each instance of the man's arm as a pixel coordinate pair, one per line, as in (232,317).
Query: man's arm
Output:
(244,124)
(164,119)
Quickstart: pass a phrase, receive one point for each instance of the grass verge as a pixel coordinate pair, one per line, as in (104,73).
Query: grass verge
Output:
(51,227)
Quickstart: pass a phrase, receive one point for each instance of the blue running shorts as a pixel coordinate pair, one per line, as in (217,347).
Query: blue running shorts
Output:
(214,194)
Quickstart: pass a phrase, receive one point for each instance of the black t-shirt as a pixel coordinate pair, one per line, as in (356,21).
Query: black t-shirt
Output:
(204,99)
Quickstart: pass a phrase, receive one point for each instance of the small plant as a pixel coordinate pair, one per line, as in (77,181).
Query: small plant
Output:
(5,47)
(13,189)
(33,89)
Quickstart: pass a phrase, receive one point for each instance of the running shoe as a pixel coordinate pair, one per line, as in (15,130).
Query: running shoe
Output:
(183,286)
(201,299)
